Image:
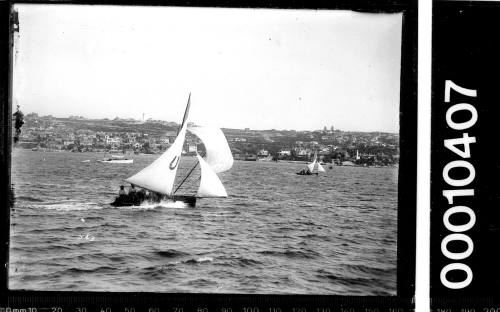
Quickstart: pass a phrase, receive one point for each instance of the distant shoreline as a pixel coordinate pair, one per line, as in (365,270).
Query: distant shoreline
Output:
(300,162)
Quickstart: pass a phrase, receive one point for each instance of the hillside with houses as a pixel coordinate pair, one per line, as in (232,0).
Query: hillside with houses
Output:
(79,134)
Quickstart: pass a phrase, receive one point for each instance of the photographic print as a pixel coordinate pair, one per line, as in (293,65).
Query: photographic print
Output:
(205,150)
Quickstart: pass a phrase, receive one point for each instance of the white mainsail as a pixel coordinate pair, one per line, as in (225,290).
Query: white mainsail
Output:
(218,154)
(311,166)
(160,175)
(210,184)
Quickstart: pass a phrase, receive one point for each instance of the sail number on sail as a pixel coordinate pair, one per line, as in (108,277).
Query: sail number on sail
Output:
(460,190)
(173,165)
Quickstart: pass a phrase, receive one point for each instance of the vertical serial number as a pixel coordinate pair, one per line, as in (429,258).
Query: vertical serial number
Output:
(460,145)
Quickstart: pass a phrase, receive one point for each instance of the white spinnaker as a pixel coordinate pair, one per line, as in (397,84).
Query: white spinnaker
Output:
(320,168)
(218,155)
(160,175)
(210,184)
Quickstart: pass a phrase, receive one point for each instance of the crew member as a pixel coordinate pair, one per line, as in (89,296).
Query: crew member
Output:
(132,193)
(141,194)
(122,191)
(132,190)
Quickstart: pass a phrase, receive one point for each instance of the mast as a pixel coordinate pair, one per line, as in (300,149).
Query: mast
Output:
(184,119)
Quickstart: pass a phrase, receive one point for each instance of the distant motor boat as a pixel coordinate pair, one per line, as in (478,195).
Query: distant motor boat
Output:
(117,159)
(86,160)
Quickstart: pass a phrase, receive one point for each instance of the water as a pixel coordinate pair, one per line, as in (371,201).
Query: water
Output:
(278,232)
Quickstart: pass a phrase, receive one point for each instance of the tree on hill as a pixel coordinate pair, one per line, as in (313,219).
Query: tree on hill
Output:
(18,123)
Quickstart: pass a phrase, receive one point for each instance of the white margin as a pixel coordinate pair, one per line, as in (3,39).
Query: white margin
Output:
(422,279)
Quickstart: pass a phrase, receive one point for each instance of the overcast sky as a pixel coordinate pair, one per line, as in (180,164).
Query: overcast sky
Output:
(246,68)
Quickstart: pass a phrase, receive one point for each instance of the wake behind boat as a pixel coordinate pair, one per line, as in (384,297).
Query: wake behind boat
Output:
(157,179)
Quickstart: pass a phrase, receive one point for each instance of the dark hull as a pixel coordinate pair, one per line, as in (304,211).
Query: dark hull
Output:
(127,201)
(307,173)
(190,200)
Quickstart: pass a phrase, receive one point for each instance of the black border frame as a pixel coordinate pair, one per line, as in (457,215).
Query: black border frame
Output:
(407,182)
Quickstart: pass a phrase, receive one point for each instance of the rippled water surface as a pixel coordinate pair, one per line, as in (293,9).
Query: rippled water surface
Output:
(278,232)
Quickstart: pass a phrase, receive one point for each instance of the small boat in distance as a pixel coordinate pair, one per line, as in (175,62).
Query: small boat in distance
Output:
(157,179)
(117,159)
(312,168)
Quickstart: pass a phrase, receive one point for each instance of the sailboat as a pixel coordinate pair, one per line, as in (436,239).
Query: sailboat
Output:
(312,168)
(158,178)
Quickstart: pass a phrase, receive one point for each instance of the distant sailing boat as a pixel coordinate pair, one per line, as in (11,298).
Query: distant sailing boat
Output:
(312,168)
(159,177)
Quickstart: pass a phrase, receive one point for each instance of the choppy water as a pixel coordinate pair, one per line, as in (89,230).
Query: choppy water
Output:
(277,232)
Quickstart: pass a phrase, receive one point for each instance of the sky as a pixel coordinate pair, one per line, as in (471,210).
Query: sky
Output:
(245,68)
